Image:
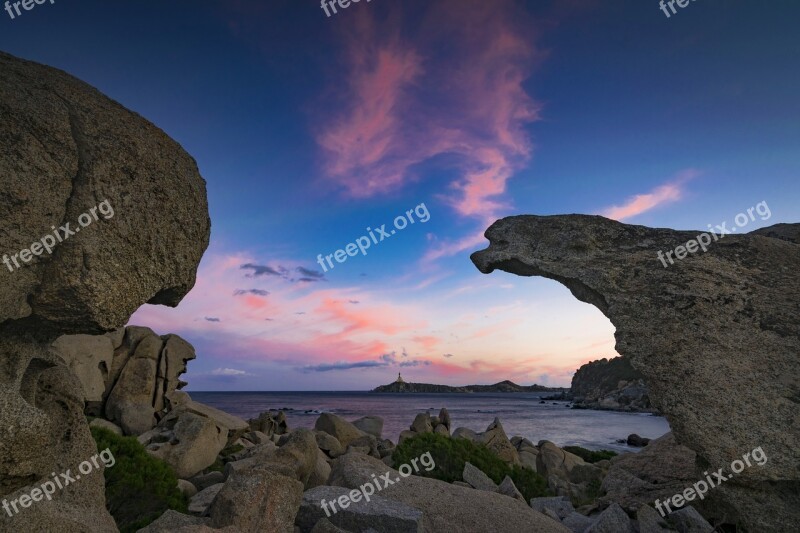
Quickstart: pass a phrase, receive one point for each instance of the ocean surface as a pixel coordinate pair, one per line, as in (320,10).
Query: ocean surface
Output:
(520,413)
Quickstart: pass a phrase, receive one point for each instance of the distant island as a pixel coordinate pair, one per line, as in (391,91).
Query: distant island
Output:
(400,385)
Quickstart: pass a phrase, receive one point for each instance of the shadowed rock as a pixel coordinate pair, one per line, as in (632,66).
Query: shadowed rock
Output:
(716,336)
(68,149)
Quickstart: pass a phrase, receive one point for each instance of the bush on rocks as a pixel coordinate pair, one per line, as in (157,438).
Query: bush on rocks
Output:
(450,456)
(590,456)
(139,487)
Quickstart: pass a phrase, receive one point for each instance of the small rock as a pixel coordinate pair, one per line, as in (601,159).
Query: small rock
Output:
(204,481)
(650,521)
(173,521)
(688,520)
(559,504)
(201,501)
(371,425)
(577,523)
(477,479)
(324,525)
(187,488)
(637,441)
(508,488)
(422,423)
(612,520)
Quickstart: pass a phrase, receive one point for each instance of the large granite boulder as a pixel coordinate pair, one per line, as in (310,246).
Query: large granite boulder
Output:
(355,513)
(715,335)
(134,214)
(187,441)
(445,506)
(336,426)
(129,375)
(663,468)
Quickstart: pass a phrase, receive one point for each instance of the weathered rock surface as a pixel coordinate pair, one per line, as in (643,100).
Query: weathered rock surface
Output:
(257,500)
(663,468)
(185,440)
(68,149)
(477,479)
(372,425)
(716,335)
(445,506)
(566,473)
(344,431)
(378,514)
(611,384)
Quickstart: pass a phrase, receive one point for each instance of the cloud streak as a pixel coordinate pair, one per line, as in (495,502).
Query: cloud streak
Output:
(641,203)
(410,103)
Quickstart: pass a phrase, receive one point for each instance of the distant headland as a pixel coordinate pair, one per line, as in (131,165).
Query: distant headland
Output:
(400,385)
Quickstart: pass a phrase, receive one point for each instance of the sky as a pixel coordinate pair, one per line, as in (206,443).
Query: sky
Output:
(433,118)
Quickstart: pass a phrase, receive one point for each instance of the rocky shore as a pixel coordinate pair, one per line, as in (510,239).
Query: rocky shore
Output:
(715,337)
(262,475)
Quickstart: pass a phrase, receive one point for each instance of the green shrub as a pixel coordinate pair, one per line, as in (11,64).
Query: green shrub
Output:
(139,487)
(590,456)
(450,455)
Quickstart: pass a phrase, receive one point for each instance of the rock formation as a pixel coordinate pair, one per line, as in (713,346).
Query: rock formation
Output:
(67,149)
(611,384)
(716,336)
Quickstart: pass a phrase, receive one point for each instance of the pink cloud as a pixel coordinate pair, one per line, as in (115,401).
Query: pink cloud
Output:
(664,194)
(408,103)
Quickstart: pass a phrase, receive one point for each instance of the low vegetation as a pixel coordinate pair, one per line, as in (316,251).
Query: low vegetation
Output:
(450,455)
(590,456)
(139,487)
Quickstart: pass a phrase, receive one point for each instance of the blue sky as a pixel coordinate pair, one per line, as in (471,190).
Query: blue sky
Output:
(309,129)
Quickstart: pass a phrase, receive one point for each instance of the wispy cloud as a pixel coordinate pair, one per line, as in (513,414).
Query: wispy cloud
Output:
(255,292)
(307,275)
(228,372)
(665,194)
(212,319)
(408,103)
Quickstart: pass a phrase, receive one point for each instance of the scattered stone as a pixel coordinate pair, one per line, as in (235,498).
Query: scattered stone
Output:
(200,502)
(204,481)
(324,525)
(688,520)
(578,523)
(663,468)
(477,479)
(257,500)
(650,521)
(612,520)
(344,431)
(371,425)
(173,521)
(444,418)
(422,423)
(465,433)
(270,423)
(561,506)
(496,440)
(637,441)
(508,488)
(328,444)
(186,441)
(187,488)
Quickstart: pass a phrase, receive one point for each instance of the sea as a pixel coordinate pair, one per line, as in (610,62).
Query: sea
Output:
(520,413)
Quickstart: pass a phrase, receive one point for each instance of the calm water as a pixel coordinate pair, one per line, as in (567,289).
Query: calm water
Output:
(520,413)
